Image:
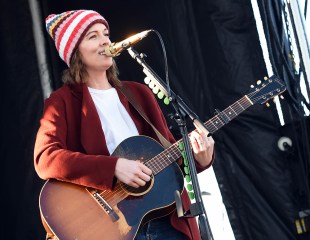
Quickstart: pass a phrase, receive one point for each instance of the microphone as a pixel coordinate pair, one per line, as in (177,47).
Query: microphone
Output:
(116,48)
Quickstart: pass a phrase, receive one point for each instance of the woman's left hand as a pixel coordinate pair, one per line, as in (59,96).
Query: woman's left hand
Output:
(203,147)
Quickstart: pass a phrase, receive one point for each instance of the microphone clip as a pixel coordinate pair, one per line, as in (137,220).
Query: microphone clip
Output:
(111,51)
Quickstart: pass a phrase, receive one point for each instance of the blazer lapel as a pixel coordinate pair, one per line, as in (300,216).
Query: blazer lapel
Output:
(92,135)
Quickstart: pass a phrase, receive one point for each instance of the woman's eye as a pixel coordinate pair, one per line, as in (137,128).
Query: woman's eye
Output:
(92,36)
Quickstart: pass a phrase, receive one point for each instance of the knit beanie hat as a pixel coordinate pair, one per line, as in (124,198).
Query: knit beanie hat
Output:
(68,29)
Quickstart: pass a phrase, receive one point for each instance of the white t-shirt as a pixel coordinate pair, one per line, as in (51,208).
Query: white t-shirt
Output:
(116,123)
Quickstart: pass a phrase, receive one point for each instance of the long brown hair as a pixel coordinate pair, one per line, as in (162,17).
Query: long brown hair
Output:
(77,73)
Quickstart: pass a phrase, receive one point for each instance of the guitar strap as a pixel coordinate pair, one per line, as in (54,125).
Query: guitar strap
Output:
(131,98)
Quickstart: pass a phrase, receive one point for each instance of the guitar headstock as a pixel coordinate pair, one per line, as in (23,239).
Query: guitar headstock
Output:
(266,90)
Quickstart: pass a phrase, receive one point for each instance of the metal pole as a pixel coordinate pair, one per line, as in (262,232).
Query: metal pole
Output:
(40,48)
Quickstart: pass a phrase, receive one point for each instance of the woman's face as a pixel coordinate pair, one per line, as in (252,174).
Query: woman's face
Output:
(92,48)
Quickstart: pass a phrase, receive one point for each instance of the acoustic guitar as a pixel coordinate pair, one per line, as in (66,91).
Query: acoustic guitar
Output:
(72,212)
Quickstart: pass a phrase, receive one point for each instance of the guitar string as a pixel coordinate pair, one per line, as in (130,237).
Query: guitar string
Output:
(164,152)
(124,194)
(160,164)
(237,108)
(115,196)
(119,191)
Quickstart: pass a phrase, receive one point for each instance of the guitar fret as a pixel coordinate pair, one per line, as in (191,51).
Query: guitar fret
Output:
(160,163)
(176,153)
(229,114)
(247,101)
(173,153)
(240,105)
(213,124)
(155,163)
(217,122)
(164,159)
(233,110)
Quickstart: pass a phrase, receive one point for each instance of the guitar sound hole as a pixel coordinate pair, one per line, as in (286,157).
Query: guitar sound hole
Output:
(138,191)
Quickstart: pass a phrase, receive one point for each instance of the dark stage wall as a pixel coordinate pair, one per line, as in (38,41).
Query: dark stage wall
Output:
(214,56)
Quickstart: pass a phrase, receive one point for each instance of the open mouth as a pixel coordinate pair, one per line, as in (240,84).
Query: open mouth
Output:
(102,52)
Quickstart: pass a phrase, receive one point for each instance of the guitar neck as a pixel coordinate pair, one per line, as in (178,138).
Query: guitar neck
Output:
(173,153)
(222,118)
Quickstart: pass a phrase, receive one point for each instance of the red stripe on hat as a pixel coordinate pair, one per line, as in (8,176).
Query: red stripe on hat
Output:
(60,21)
(75,31)
(64,29)
(49,17)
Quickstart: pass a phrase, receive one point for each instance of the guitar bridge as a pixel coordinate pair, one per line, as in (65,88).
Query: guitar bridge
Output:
(105,205)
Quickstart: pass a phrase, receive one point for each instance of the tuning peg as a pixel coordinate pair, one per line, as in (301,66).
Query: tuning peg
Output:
(265,78)
(281,96)
(267,104)
(259,82)
(252,86)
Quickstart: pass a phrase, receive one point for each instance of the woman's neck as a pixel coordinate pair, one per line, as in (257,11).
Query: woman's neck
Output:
(98,81)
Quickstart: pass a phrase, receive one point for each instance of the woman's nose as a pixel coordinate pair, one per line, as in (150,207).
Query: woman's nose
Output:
(104,40)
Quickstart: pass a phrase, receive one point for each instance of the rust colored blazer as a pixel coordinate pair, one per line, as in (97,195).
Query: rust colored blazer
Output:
(70,133)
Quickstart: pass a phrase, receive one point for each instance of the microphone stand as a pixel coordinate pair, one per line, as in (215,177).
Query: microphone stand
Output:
(182,110)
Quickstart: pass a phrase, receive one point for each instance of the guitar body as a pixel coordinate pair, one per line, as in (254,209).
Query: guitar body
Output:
(71,212)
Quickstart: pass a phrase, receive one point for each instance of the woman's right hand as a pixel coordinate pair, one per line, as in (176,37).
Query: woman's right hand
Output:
(132,173)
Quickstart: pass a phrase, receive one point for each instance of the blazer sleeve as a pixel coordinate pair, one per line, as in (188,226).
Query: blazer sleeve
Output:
(53,159)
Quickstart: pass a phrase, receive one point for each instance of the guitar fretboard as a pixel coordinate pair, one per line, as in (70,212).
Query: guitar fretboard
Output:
(228,114)
(173,153)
